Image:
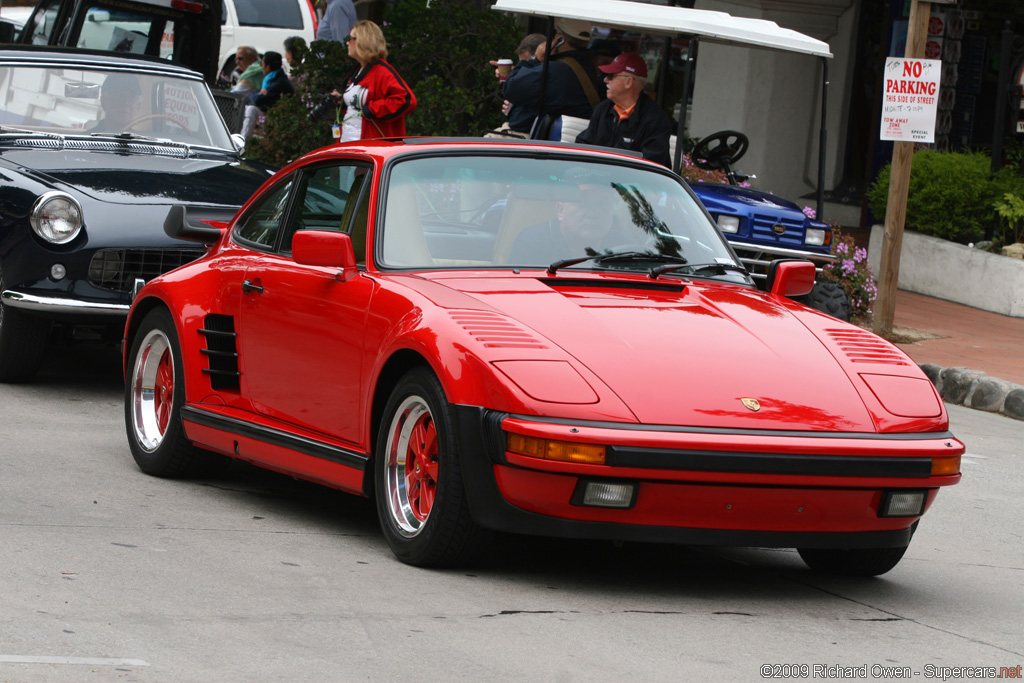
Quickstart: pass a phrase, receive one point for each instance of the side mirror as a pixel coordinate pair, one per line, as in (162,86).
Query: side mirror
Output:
(239,141)
(790,277)
(327,248)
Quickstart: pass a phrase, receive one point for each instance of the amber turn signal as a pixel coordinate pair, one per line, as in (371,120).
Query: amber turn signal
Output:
(942,466)
(563,451)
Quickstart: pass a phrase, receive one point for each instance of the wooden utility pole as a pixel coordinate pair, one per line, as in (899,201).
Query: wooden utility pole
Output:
(899,182)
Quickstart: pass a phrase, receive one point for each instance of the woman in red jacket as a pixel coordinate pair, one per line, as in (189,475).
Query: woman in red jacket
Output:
(375,99)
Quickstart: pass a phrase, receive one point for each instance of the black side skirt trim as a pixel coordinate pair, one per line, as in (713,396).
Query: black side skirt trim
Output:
(275,437)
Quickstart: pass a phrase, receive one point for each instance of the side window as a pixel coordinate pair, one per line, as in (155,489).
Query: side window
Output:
(269,13)
(105,29)
(43,24)
(328,200)
(263,221)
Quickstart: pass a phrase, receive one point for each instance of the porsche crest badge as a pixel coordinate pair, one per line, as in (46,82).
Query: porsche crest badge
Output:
(751,403)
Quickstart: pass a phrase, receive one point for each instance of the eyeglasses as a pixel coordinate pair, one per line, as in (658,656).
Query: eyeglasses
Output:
(350,39)
(612,78)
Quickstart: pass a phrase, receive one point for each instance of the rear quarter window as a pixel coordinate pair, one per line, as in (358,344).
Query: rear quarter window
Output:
(269,13)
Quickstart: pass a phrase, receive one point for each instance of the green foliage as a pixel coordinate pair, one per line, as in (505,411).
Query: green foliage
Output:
(1011,211)
(442,52)
(286,133)
(951,194)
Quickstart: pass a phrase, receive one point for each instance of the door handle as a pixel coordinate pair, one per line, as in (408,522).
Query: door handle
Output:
(248,286)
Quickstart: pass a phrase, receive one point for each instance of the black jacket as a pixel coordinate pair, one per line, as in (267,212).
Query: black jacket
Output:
(564,94)
(647,130)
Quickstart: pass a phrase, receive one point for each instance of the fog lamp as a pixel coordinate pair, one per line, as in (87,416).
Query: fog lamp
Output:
(815,237)
(58,271)
(730,224)
(606,494)
(902,503)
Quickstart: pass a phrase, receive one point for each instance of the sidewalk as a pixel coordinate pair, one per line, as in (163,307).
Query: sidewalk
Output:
(965,337)
(957,336)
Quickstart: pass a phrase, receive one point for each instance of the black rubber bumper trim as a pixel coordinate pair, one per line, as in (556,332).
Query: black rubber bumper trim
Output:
(769,463)
(481,444)
(275,437)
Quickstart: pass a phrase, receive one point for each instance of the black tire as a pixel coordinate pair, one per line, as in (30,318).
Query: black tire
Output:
(153,395)
(828,296)
(23,340)
(424,514)
(852,562)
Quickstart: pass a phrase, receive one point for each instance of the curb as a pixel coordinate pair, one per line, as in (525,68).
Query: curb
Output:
(975,389)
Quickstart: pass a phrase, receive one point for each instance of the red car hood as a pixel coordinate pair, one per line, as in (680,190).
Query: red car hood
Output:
(686,358)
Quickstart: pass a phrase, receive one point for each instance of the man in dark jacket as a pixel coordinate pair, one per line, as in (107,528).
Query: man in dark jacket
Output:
(629,118)
(574,85)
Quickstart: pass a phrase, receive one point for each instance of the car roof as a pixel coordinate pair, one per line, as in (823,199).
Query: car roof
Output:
(387,148)
(44,55)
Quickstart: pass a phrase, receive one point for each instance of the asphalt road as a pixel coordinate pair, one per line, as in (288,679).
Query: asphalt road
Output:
(110,575)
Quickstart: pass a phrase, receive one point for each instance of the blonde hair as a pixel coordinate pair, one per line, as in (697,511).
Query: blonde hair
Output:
(370,43)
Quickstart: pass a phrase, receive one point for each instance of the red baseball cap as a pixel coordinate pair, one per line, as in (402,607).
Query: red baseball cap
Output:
(628,62)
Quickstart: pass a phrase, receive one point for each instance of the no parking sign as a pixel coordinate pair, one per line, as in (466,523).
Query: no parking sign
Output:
(911,99)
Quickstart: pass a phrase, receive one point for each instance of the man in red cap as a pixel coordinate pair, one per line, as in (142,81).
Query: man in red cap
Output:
(629,118)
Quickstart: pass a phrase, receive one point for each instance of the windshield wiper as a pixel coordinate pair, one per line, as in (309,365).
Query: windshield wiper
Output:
(128,135)
(12,129)
(697,267)
(616,257)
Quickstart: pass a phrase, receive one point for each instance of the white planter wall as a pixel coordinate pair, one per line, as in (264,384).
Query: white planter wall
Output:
(955,272)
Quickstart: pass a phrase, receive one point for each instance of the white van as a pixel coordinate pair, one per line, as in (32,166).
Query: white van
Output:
(264,24)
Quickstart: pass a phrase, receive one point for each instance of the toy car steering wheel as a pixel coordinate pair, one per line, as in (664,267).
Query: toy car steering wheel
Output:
(720,150)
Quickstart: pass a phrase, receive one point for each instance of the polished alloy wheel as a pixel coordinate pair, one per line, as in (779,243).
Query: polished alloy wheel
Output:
(412,465)
(152,393)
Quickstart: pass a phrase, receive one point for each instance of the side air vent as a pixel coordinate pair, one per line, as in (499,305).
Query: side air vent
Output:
(863,347)
(496,331)
(221,351)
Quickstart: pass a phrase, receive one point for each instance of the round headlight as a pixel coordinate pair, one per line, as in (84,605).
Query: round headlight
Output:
(56,217)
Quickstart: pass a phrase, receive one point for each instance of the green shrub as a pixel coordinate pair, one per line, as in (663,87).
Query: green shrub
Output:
(951,194)
(286,133)
(442,53)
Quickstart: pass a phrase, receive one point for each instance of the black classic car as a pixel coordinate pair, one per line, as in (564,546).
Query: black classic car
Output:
(95,152)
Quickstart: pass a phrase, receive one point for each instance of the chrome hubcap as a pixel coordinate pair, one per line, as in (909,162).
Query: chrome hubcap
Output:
(411,467)
(152,390)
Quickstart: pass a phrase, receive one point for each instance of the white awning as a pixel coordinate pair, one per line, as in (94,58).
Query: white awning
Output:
(717,27)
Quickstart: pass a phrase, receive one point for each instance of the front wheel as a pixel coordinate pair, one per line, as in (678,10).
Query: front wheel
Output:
(153,396)
(852,562)
(421,499)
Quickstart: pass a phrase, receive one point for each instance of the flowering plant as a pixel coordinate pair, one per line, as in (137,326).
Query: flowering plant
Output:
(853,274)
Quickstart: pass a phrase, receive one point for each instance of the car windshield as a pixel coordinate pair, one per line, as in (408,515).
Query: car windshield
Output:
(76,101)
(552,213)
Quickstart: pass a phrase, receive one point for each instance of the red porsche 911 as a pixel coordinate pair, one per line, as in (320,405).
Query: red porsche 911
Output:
(532,338)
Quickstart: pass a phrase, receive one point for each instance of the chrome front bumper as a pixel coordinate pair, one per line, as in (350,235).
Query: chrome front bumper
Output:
(57,305)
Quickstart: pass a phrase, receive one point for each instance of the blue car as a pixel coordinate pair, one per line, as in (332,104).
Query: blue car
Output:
(763,227)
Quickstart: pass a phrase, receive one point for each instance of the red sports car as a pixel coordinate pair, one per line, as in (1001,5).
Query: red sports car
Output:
(535,338)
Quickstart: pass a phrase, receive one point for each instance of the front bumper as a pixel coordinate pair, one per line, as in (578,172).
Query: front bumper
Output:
(62,306)
(702,487)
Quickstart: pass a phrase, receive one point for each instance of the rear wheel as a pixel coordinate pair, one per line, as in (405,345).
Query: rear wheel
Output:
(828,296)
(154,394)
(22,342)
(852,562)
(421,499)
